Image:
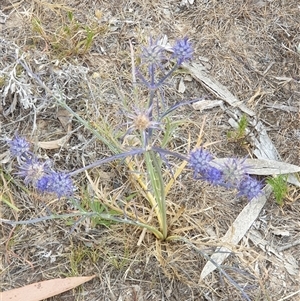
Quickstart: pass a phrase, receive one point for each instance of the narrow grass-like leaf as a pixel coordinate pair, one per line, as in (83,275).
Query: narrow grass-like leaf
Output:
(8,203)
(154,171)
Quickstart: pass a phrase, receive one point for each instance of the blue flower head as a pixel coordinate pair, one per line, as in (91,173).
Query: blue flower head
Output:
(199,161)
(231,174)
(56,182)
(249,188)
(42,183)
(213,176)
(182,50)
(39,173)
(19,146)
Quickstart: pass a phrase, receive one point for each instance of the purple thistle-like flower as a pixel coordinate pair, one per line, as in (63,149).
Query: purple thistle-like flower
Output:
(153,54)
(42,183)
(233,172)
(182,50)
(56,182)
(199,161)
(19,146)
(38,173)
(32,170)
(250,188)
(213,176)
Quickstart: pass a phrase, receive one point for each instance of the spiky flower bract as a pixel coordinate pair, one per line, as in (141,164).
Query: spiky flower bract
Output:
(19,146)
(234,171)
(182,50)
(32,170)
(142,121)
(250,188)
(152,55)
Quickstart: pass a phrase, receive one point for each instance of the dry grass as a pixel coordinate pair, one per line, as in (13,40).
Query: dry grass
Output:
(250,47)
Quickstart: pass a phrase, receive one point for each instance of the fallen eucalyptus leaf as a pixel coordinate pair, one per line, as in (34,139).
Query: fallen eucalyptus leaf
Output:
(264,167)
(216,87)
(54,143)
(44,289)
(207,104)
(236,231)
